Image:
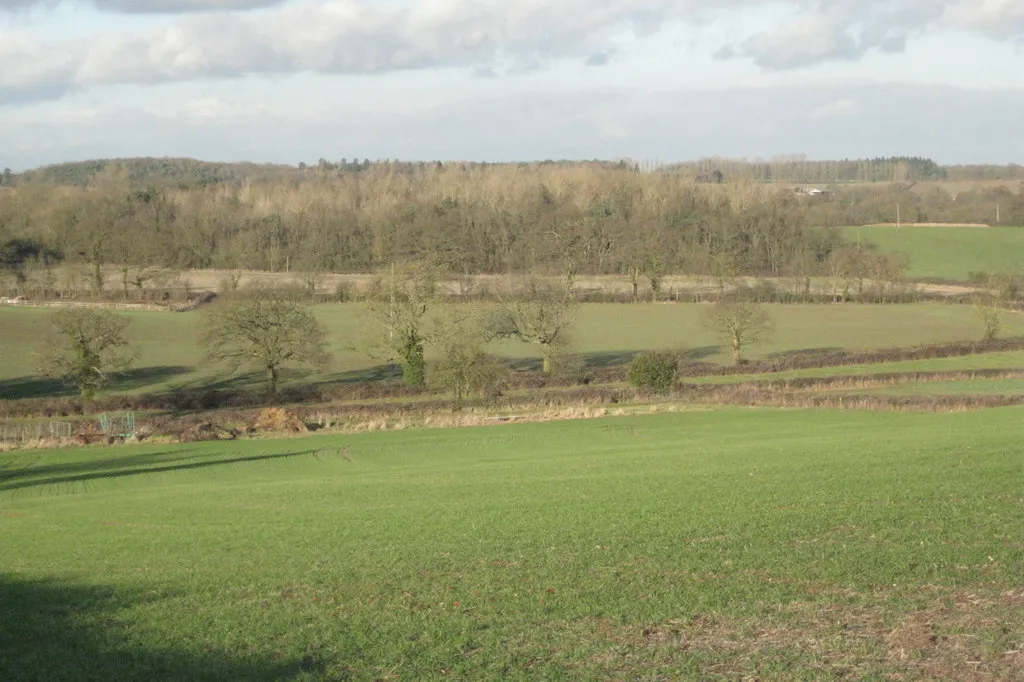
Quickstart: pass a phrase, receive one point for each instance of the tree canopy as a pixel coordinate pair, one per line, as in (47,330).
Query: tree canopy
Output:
(267,332)
(84,347)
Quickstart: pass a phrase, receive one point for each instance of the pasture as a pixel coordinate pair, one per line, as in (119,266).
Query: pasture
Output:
(950,253)
(605,334)
(720,544)
(1009,360)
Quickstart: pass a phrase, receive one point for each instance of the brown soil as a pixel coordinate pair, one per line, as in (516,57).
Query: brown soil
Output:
(278,420)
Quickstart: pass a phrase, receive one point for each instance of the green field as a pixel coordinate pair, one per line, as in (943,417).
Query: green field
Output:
(1005,360)
(949,252)
(719,544)
(605,334)
(964,387)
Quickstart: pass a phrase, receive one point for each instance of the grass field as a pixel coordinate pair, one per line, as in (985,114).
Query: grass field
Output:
(964,387)
(606,334)
(949,252)
(712,545)
(1006,360)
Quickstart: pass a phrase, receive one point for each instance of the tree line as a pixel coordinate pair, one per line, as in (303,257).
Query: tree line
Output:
(269,330)
(468,219)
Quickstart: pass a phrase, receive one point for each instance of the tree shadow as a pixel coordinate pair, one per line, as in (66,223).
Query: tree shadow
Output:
(55,630)
(803,352)
(70,473)
(128,380)
(388,372)
(289,377)
(608,359)
(612,359)
(699,353)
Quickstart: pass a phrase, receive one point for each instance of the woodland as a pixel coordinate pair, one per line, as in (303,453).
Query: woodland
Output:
(718,217)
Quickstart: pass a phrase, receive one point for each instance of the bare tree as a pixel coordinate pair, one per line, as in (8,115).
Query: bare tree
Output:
(538,312)
(269,332)
(1000,289)
(739,323)
(464,368)
(84,347)
(991,317)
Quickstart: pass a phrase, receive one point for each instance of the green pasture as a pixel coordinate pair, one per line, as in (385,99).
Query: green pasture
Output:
(605,334)
(1003,360)
(963,387)
(726,544)
(948,252)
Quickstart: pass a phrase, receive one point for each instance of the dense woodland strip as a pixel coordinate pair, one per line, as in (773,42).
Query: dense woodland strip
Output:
(588,218)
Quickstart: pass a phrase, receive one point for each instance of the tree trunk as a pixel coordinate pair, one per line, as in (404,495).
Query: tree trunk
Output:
(547,360)
(97,278)
(737,346)
(272,376)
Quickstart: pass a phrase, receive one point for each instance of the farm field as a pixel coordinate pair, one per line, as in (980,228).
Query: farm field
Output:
(961,387)
(606,334)
(715,544)
(1006,360)
(948,252)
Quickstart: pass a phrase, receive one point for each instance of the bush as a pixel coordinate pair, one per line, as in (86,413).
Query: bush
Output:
(655,371)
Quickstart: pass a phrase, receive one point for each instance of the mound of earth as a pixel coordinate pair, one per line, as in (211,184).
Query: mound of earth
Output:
(278,419)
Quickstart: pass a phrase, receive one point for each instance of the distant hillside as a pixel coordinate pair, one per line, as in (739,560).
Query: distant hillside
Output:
(187,173)
(180,172)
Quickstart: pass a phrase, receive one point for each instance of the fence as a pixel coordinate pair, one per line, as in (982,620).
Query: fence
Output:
(34,431)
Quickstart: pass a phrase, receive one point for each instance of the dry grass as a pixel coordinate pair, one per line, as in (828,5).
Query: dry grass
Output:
(980,225)
(959,636)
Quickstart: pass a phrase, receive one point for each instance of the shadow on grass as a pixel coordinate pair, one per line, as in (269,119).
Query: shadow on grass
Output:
(611,359)
(249,381)
(70,473)
(129,380)
(700,353)
(808,352)
(55,631)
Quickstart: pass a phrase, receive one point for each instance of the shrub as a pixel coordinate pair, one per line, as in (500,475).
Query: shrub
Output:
(655,371)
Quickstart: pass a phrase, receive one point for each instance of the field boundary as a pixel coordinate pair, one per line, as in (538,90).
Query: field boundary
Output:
(901,225)
(105,305)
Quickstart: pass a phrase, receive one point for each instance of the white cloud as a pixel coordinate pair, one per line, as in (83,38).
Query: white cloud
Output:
(483,36)
(998,19)
(350,36)
(149,6)
(827,30)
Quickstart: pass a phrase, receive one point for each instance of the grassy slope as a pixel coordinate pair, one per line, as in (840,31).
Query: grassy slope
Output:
(736,543)
(949,252)
(608,334)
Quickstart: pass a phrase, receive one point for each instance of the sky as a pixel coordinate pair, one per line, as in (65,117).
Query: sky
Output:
(497,80)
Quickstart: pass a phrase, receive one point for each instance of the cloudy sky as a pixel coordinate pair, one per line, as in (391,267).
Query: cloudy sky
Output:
(655,80)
